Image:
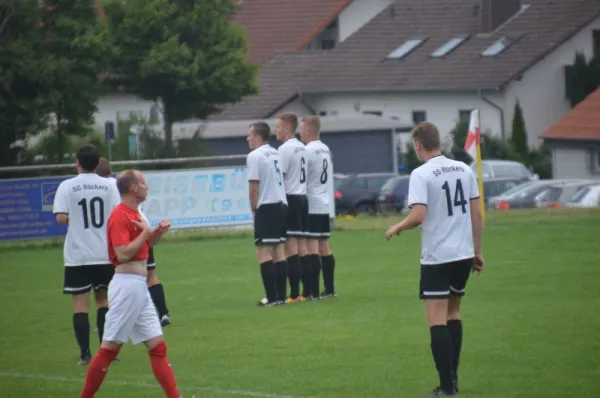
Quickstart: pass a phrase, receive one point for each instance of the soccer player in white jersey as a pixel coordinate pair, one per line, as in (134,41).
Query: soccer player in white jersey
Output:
(319,172)
(444,200)
(155,287)
(83,203)
(269,206)
(293,167)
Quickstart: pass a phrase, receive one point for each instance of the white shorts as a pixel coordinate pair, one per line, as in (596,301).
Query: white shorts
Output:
(131,313)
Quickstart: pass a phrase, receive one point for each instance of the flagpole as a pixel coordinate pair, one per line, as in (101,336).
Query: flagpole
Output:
(479,170)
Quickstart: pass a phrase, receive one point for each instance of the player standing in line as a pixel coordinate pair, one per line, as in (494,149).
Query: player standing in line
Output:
(157,291)
(320,171)
(132,314)
(83,203)
(269,207)
(444,199)
(293,167)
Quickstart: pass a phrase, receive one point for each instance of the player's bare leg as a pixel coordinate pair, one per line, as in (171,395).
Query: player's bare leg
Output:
(294,268)
(328,266)
(81,325)
(264,254)
(455,328)
(441,344)
(281,272)
(305,266)
(157,293)
(312,246)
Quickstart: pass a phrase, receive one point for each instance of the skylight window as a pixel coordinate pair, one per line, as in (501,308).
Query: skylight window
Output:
(498,46)
(450,45)
(405,49)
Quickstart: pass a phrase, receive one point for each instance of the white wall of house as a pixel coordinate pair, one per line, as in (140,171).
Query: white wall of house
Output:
(441,108)
(541,89)
(296,107)
(111,105)
(573,162)
(357,14)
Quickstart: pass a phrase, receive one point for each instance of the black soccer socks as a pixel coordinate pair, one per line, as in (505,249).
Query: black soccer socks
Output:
(328,263)
(158,297)
(81,326)
(455,329)
(306,275)
(294,275)
(281,276)
(441,348)
(315,264)
(100,317)
(268,273)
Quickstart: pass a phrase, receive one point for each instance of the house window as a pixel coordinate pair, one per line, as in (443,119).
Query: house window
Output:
(595,161)
(419,116)
(447,47)
(323,113)
(373,113)
(464,114)
(498,46)
(327,44)
(596,41)
(406,48)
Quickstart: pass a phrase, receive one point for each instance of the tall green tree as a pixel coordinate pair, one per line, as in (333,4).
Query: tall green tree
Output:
(580,80)
(519,134)
(185,55)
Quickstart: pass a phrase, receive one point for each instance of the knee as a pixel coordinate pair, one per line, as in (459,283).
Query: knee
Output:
(159,350)
(324,249)
(454,309)
(152,280)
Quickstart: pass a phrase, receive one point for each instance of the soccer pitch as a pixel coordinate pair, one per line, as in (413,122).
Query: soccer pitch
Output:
(531,319)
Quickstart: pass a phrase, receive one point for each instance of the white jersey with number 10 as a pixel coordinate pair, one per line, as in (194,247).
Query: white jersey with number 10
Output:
(320,174)
(446,187)
(88,200)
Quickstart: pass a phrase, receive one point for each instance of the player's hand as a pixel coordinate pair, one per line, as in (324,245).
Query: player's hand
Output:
(143,226)
(478,264)
(164,225)
(393,230)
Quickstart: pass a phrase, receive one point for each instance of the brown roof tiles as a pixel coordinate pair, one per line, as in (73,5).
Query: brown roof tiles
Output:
(581,123)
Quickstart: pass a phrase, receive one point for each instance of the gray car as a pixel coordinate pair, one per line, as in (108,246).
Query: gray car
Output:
(523,196)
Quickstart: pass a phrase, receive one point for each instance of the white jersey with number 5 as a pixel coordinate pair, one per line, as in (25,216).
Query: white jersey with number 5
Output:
(88,200)
(264,167)
(446,187)
(320,173)
(293,166)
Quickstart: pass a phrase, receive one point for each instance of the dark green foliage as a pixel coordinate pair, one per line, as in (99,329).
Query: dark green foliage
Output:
(583,78)
(519,134)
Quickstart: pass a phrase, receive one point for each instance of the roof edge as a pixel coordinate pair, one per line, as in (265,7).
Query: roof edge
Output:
(325,23)
(570,139)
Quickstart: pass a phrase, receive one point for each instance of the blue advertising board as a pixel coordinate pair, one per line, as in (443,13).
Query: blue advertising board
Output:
(26,209)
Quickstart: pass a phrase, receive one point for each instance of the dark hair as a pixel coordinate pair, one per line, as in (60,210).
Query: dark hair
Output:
(88,157)
(262,129)
(126,180)
(428,135)
(291,119)
(103,169)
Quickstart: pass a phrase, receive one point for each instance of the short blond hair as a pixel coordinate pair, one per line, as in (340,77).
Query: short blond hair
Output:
(314,122)
(428,135)
(291,119)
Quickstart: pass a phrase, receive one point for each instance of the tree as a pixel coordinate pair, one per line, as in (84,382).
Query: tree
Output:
(185,55)
(459,137)
(519,134)
(582,78)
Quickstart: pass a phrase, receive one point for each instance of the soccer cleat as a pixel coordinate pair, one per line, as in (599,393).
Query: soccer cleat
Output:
(294,300)
(165,321)
(438,392)
(263,302)
(325,294)
(455,380)
(86,358)
(302,299)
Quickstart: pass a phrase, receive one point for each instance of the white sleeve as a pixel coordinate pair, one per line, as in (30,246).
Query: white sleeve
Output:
(284,160)
(417,190)
(253,167)
(61,200)
(474,193)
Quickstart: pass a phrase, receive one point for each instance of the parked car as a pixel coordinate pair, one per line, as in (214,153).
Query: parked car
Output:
(493,187)
(557,196)
(586,197)
(358,192)
(495,168)
(523,196)
(393,195)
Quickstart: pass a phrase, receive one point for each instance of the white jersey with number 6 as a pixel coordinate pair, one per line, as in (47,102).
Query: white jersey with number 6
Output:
(446,187)
(88,200)
(293,166)
(320,173)
(264,167)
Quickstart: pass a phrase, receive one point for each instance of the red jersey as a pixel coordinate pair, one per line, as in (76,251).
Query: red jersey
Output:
(121,231)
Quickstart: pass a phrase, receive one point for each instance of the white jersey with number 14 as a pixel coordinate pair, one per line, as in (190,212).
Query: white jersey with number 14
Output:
(88,200)
(446,187)
(320,173)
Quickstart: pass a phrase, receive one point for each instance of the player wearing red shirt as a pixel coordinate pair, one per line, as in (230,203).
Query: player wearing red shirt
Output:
(131,314)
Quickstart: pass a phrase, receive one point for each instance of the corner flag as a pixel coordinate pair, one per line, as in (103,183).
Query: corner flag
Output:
(473,148)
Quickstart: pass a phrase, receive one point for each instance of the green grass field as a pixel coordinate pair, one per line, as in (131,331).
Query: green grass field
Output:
(531,319)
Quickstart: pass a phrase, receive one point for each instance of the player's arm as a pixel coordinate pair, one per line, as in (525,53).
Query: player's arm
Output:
(476,216)
(417,203)
(283,155)
(119,236)
(61,205)
(253,181)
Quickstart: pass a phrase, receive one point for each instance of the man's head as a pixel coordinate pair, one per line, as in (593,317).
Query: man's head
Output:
(88,158)
(285,126)
(310,128)
(426,140)
(132,184)
(258,134)
(103,169)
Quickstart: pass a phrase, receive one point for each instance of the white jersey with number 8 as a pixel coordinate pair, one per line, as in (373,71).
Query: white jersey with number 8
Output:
(320,173)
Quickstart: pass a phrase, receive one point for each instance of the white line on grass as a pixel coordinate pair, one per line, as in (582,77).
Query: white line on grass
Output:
(222,391)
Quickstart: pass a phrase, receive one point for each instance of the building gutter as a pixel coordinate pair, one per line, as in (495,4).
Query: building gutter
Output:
(498,108)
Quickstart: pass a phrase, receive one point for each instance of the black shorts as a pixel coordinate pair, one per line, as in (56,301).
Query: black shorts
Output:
(150,263)
(270,224)
(81,279)
(297,220)
(319,226)
(440,281)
